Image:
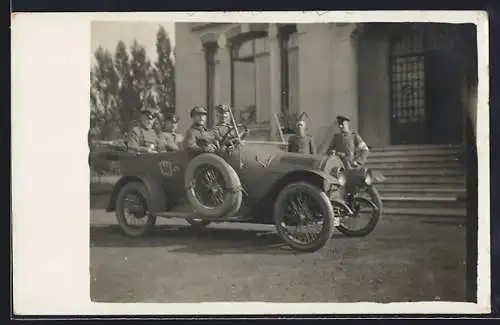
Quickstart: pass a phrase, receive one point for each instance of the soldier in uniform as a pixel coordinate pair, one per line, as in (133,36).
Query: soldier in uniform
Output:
(170,140)
(302,142)
(198,139)
(350,144)
(224,121)
(143,138)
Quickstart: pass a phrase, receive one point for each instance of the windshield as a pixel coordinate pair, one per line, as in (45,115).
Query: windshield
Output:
(259,132)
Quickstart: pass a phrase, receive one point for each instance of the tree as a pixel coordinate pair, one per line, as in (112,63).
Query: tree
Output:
(164,73)
(142,78)
(125,91)
(103,95)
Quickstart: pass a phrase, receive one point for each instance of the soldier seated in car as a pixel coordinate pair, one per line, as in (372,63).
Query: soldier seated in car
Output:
(198,138)
(224,128)
(349,144)
(302,142)
(143,138)
(169,140)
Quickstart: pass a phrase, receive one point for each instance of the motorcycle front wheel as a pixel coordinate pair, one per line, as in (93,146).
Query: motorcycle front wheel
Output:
(372,207)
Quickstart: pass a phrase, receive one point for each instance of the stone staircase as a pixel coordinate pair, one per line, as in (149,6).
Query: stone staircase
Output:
(426,180)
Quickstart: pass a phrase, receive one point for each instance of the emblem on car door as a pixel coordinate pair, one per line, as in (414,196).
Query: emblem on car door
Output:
(167,168)
(264,163)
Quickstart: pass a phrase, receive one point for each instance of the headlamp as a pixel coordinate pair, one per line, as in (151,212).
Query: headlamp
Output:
(338,172)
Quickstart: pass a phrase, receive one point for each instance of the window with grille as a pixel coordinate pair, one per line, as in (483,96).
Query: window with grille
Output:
(408,80)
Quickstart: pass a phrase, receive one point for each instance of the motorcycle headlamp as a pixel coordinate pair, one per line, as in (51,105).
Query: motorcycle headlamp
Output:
(338,172)
(368,178)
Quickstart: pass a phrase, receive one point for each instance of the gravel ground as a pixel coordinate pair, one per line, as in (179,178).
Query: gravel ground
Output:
(404,259)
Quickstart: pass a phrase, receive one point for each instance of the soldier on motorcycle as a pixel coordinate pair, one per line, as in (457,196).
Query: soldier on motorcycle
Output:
(349,145)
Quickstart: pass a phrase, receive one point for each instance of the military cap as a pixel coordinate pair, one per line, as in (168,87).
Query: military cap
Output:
(198,110)
(302,117)
(341,118)
(172,117)
(149,112)
(222,108)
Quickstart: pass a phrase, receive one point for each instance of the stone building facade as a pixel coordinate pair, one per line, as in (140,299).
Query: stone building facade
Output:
(401,84)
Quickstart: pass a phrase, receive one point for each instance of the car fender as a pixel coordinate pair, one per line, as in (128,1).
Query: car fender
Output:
(158,200)
(305,174)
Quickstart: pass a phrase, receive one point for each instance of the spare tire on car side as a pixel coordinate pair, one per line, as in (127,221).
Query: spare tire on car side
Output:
(213,187)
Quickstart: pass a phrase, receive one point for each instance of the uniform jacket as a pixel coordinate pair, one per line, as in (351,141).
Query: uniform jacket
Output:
(197,138)
(169,141)
(301,144)
(221,129)
(140,138)
(352,145)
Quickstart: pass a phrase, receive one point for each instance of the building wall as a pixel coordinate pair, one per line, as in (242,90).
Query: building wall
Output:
(190,70)
(339,71)
(374,89)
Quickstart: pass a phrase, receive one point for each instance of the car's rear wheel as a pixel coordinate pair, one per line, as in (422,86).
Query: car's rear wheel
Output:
(132,211)
(367,211)
(300,205)
(197,222)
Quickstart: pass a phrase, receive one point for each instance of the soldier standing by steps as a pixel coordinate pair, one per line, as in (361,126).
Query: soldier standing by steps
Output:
(350,144)
(302,142)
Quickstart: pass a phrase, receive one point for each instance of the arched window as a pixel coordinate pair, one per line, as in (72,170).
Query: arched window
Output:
(250,86)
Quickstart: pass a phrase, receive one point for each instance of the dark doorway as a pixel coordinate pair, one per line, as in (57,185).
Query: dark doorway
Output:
(443,100)
(426,79)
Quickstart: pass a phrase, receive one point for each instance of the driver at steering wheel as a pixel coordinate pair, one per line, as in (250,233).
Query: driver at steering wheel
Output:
(224,129)
(223,125)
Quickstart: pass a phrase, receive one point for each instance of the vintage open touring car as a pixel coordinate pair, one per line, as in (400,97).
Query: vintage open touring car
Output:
(306,197)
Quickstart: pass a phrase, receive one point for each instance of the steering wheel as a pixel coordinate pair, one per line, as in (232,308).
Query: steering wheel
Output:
(228,139)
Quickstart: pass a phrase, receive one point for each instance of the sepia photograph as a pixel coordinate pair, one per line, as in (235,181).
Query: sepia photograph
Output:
(280,162)
(250,163)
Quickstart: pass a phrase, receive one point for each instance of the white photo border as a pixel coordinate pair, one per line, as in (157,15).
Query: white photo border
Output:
(50,121)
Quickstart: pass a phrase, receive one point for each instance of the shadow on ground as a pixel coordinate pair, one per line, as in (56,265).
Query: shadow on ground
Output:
(207,241)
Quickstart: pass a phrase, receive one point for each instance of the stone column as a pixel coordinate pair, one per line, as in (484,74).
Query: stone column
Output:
(275,77)
(223,80)
(345,71)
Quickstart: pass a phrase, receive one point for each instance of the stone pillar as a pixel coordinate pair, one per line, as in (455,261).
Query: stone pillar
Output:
(275,78)
(345,71)
(223,78)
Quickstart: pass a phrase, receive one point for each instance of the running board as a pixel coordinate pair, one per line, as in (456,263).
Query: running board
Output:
(185,215)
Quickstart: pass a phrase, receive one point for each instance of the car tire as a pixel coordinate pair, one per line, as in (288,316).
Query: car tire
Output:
(322,201)
(376,202)
(141,192)
(233,198)
(198,223)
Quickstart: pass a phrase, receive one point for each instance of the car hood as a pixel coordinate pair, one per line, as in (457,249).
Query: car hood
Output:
(275,158)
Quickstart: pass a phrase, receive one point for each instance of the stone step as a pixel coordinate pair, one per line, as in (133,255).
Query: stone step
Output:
(421,202)
(384,154)
(413,159)
(426,212)
(423,192)
(419,187)
(423,172)
(419,147)
(383,165)
(444,181)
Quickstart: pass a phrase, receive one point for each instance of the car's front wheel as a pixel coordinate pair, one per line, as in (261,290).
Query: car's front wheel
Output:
(303,216)
(132,211)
